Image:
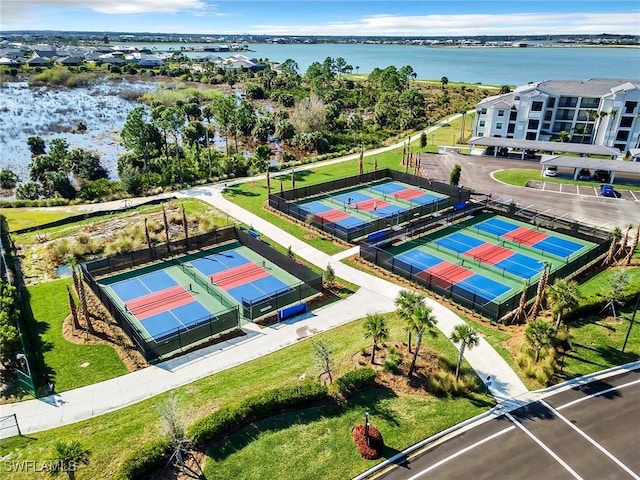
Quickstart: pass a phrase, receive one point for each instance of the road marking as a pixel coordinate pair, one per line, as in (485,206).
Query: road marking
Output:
(544,447)
(460,452)
(595,191)
(597,394)
(633,195)
(591,440)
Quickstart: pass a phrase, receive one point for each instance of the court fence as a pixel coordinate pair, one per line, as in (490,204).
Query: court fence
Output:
(221,322)
(285,202)
(374,252)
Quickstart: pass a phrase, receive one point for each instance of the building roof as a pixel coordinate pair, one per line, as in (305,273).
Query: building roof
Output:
(593,87)
(592,164)
(580,148)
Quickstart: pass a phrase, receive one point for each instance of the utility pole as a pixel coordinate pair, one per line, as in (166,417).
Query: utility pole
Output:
(633,318)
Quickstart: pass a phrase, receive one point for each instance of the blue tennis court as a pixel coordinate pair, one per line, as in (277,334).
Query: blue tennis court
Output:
(496,226)
(259,289)
(218,262)
(316,207)
(481,287)
(388,188)
(459,242)
(521,265)
(354,196)
(418,259)
(167,323)
(142,285)
(558,246)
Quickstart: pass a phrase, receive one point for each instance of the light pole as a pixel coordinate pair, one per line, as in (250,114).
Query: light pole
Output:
(633,317)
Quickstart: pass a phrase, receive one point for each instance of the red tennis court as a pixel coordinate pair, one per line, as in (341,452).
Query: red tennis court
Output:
(408,194)
(333,215)
(489,253)
(525,236)
(239,275)
(371,204)
(158,302)
(450,272)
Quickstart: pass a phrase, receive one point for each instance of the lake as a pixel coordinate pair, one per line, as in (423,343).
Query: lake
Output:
(51,112)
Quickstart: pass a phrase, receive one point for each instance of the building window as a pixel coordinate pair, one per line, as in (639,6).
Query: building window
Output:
(513,116)
(501,113)
(625,122)
(511,128)
(589,102)
(629,107)
(483,111)
(568,102)
(536,106)
(499,125)
(533,124)
(481,123)
(531,135)
(551,102)
(546,125)
(548,114)
(623,135)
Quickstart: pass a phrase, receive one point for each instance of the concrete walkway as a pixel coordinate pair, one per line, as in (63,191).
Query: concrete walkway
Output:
(375,295)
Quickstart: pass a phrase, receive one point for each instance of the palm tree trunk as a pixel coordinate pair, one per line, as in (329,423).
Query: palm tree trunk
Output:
(634,245)
(537,355)
(409,344)
(74,311)
(558,321)
(611,253)
(462,347)
(373,353)
(415,354)
(623,243)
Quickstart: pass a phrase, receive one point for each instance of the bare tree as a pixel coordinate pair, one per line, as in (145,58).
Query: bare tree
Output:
(309,115)
(322,352)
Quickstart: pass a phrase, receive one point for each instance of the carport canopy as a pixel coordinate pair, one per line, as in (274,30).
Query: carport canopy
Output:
(577,163)
(545,146)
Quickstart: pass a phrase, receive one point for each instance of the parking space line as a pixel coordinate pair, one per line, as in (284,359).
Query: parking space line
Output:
(460,452)
(595,190)
(560,188)
(633,195)
(596,394)
(591,441)
(544,184)
(544,447)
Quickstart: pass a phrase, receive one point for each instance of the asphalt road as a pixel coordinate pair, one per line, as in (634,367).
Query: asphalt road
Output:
(589,209)
(588,432)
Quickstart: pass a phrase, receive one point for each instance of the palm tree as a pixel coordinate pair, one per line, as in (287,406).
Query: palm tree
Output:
(375,328)
(616,235)
(564,297)
(67,457)
(520,315)
(444,81)
(424,320)
(623,243)
(634,245)
(466,337)
(539,334)
(541,298)
(406,302)
(563,136)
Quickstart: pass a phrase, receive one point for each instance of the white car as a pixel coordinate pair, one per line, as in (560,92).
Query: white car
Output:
(551,171)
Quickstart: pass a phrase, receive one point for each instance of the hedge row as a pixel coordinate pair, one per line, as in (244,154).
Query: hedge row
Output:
(355,380)
(230,417)
(147,458)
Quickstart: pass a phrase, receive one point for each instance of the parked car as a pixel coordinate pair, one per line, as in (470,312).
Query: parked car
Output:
(584,174)
(602,175)
(551,171)
(607,190)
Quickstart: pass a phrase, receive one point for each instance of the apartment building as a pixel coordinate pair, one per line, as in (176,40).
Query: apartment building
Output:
(602,112)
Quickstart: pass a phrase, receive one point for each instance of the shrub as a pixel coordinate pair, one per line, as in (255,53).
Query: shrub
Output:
(355,380)
(230,417)
(148,457)
(374,449)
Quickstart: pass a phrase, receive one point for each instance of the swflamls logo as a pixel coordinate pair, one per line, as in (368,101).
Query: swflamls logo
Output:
(42,466)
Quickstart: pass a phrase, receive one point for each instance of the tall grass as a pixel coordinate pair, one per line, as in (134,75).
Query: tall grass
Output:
(61,76)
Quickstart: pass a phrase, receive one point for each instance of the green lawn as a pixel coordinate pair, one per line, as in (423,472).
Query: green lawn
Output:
(520,176)
(112,436)
(64,360)
(19,218)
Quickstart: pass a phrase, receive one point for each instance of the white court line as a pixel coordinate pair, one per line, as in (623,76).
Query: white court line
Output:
(597,394)
(543,446)
(460,452)
(633,195)
(591,441)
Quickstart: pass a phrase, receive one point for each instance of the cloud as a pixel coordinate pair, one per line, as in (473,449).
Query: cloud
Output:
(466,25)
(16,10)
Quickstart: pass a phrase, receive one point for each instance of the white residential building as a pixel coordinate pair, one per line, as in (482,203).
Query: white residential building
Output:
(596,111)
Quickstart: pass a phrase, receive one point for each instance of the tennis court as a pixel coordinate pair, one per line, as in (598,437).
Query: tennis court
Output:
(353,208)
(160,304)
(243,276)
(543,240)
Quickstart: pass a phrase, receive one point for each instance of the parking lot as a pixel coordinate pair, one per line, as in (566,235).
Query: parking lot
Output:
(588,191)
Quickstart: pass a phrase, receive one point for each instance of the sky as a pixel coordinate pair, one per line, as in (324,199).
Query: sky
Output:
(326,17)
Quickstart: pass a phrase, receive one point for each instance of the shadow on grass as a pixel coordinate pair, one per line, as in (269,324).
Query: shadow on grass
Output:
(35,345)
(240,192)
(370,400)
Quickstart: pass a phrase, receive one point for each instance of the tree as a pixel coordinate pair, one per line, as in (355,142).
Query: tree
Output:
(423,140)
(505,89)
(634,245)
(36,146)
(615,236)
(444,81)
(406,303)
(260,161)
(540,300)
(467,337)
(322,353)
(8,178)
(67,457)
(85,165)
(617,286)
(564,297)
(172,424)
(423,320)
(563,136)
(456,171)
(375,328)
(223,109)
(140,135)
(309,115)
(329,277)
(539,334)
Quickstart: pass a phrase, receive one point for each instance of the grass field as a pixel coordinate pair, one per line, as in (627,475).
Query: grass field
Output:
(519,177)
(19,218)
(401,418)
(68,364)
